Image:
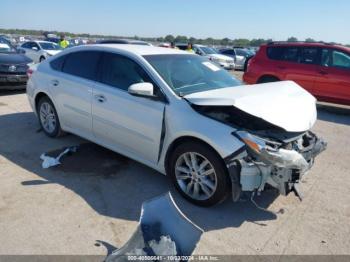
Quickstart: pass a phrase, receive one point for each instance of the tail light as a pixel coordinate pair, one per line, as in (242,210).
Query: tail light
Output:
(29,72)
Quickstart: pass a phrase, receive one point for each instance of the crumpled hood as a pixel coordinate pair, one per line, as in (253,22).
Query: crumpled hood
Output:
(284,104)
(218,56)
(52,52)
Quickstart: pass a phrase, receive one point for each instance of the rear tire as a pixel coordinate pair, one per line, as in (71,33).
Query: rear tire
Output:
(48,118)
(203,181)
(267,79)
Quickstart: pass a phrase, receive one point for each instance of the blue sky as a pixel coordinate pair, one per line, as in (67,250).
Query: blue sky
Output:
(319,19)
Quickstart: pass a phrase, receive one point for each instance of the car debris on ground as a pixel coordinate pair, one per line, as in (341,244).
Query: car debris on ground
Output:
(163,231)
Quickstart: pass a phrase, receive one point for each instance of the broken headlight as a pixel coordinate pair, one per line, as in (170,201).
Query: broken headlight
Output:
(270,152)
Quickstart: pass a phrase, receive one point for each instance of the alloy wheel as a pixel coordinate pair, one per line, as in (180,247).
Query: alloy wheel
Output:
(196,176)
(48,117)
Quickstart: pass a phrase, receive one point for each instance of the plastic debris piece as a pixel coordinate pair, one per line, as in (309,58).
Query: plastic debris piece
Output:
(55,161)
(163,230)
(164,247)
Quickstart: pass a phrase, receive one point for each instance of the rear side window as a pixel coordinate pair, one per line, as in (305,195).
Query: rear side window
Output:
(335,58)
(340,59)
(82,64)
(309,55)
(229,52)
(57,63)
(283,53)
(121,72)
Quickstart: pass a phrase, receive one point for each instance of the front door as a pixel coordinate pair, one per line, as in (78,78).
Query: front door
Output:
(333,77)
(128,124)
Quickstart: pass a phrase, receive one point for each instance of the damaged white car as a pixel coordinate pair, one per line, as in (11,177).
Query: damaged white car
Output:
(182,115)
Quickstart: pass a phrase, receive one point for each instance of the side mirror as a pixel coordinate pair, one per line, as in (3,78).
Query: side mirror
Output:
(35,48)
(141,89)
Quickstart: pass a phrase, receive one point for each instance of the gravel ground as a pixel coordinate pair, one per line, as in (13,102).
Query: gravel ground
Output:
(97,195)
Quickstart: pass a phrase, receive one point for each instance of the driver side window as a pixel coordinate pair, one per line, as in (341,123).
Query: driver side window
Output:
(121,72)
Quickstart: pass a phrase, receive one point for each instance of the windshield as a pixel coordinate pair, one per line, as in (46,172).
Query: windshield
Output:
(6,48)
(208,50)
(187,74)
(49,46)
(242,52)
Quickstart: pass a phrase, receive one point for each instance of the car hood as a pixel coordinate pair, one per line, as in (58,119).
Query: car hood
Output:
(218,56)
(52,52)
(284,104)
(13,59)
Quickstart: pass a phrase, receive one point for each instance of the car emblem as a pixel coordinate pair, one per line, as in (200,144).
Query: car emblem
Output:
(12,68)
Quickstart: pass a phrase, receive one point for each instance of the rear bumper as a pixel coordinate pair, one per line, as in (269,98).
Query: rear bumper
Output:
(13,81)
(249,78)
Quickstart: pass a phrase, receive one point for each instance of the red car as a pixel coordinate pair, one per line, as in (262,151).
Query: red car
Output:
(322,69)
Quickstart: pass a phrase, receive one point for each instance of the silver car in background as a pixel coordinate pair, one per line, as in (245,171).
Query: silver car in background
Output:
(241,56)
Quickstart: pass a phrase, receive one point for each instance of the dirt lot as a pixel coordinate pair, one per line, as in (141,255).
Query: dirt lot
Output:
(97,195)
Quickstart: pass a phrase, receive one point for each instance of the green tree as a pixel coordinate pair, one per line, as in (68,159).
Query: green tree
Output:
(169,38)
(192,40)
(292,39)
(225,41)
(181,39)
(241,42)
(310,40)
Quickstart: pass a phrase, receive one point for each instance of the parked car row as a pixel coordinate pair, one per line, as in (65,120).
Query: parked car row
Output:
(320,68)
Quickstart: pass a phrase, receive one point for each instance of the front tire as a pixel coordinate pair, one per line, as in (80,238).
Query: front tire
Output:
(199,174)
(48,118)
(42,58)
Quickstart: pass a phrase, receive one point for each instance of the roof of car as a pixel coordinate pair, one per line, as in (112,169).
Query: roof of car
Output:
(314,44)
(42,41)
(142,49)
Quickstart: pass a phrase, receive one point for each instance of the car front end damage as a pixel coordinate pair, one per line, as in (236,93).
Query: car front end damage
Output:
(265,161)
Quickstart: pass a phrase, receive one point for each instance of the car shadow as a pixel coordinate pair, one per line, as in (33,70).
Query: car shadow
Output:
(111,184)
(334,113)
(12,92)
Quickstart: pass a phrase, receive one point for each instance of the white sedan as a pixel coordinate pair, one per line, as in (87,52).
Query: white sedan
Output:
(38,51)
(182,115)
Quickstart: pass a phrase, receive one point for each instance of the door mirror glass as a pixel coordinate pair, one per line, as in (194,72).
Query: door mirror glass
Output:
(35,48)
(141,89)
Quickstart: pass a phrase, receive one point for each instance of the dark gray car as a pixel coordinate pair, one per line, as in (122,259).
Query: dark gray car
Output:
(13,67)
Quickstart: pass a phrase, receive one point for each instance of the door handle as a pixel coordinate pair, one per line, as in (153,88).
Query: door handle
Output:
(323,73)
(55,82)
(281,67)
(100,98)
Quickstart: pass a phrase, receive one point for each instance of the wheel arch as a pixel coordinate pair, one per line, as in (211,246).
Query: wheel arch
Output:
(267,76)
(184,139)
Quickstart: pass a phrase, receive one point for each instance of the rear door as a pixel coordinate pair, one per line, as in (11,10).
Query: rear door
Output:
(73,87)
(296,63)
(126,123)
(333,76)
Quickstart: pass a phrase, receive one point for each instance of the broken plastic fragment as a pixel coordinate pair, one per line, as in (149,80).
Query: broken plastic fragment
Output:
(54,161)
(163,230)
(164,247)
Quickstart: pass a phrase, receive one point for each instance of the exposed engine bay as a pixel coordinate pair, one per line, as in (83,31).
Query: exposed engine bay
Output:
(271,154)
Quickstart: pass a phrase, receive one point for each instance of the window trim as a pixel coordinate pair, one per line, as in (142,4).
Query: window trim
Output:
(161,98)
(81,51)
